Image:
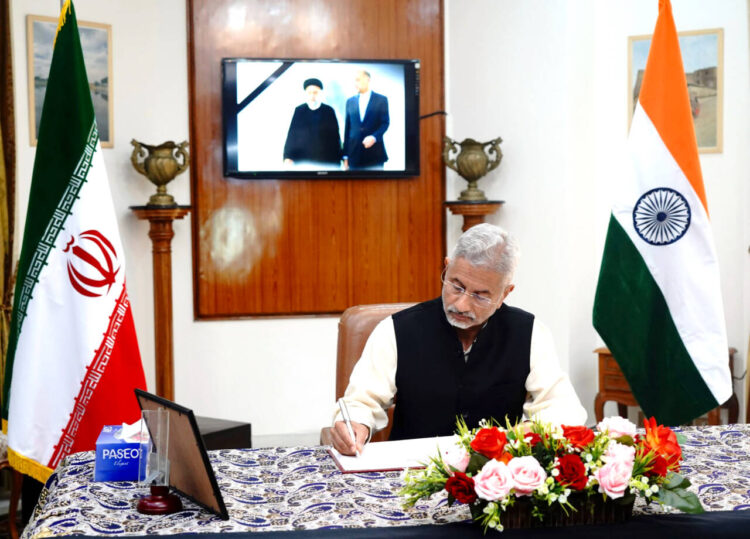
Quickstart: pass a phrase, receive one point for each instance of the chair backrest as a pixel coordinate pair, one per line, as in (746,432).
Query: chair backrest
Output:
(355,327)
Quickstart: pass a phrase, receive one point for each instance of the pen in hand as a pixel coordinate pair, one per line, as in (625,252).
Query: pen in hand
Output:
(345,416)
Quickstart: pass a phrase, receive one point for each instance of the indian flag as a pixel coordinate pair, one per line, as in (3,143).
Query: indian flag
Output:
(658,302)
(73,358)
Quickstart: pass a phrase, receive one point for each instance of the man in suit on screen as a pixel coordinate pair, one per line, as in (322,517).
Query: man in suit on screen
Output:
(367,120)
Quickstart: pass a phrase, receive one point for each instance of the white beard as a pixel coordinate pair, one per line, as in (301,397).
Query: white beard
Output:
(455,323)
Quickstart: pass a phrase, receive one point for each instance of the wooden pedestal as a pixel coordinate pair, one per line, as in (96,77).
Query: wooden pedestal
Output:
(161,235)
(473,212)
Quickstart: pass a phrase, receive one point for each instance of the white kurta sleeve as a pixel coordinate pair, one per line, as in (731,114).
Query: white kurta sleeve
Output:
(553,398)
(372,384)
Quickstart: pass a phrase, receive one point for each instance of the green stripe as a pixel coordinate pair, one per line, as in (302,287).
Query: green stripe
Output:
(66,138)
(632,317)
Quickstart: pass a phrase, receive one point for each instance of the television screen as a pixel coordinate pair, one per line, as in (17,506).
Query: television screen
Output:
(290,118)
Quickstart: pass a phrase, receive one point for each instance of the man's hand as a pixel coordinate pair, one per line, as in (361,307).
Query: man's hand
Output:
(288,162)
(342,442)
(345,165)
(368,141)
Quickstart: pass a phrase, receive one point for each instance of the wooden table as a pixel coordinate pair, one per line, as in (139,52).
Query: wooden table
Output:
(614,387)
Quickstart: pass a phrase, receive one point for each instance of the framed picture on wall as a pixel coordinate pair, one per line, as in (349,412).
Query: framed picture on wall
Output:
(96,42)
(702,58)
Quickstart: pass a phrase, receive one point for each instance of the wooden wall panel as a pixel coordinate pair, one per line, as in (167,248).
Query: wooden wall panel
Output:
(265,247)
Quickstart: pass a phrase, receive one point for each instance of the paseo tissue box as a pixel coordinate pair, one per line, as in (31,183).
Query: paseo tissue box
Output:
(118,454)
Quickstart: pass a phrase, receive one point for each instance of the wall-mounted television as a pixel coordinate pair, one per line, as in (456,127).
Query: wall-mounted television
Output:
(302,118)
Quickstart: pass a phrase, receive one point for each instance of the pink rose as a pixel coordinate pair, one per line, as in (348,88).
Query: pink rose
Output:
(616,426)
(619,453)
(613,478)
(527,474)
(457,457)
(493,482)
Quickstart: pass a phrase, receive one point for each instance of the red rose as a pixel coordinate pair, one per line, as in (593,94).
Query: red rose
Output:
(489,442)
(571,472)
(578,436)
(658,467)
(534,438)
(461,487)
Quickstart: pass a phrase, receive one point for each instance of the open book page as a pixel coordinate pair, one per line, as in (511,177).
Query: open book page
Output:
(397,455)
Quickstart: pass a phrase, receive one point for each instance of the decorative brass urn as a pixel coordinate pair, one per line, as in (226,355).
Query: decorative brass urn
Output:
(160,166)
(472,162)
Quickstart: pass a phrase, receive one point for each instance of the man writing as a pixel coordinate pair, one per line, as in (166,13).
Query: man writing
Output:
(464,354)
(367,120)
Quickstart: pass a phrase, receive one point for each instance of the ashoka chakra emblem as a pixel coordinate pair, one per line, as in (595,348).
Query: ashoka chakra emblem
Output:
(661,216)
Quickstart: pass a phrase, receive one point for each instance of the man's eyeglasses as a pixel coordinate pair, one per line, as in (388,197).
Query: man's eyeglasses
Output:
(453,288)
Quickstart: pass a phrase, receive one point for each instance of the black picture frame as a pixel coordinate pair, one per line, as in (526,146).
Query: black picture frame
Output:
(190,469)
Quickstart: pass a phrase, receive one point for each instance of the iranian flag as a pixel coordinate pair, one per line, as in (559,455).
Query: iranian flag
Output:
(658,302)
(73,358)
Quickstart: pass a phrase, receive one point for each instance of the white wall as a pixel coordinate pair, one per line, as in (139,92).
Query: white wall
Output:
(548,76)
(277,373)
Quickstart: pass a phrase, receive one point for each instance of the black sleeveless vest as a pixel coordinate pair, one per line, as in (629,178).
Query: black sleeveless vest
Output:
(434,383)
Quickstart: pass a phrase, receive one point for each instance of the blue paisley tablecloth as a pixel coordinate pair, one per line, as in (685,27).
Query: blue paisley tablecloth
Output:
(301,488)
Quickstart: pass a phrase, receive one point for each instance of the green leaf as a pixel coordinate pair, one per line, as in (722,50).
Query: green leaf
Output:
(681,439)
(625,440)
(675,480)
(543,455)
(476,463)
(681,499)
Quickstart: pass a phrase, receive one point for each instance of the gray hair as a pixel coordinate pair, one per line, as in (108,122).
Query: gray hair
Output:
(488,246)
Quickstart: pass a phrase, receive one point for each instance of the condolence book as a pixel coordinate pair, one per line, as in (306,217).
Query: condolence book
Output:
(390,456)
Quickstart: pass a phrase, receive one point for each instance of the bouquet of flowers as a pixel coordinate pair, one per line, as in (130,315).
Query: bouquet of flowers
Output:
(554,469)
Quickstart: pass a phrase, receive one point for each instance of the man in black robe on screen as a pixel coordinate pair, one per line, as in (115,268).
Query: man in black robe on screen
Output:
(313,136)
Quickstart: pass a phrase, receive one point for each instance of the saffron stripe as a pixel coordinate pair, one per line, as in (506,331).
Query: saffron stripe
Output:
(665,99)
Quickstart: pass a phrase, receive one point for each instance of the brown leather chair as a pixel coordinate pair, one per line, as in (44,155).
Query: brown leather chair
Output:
(355,327)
